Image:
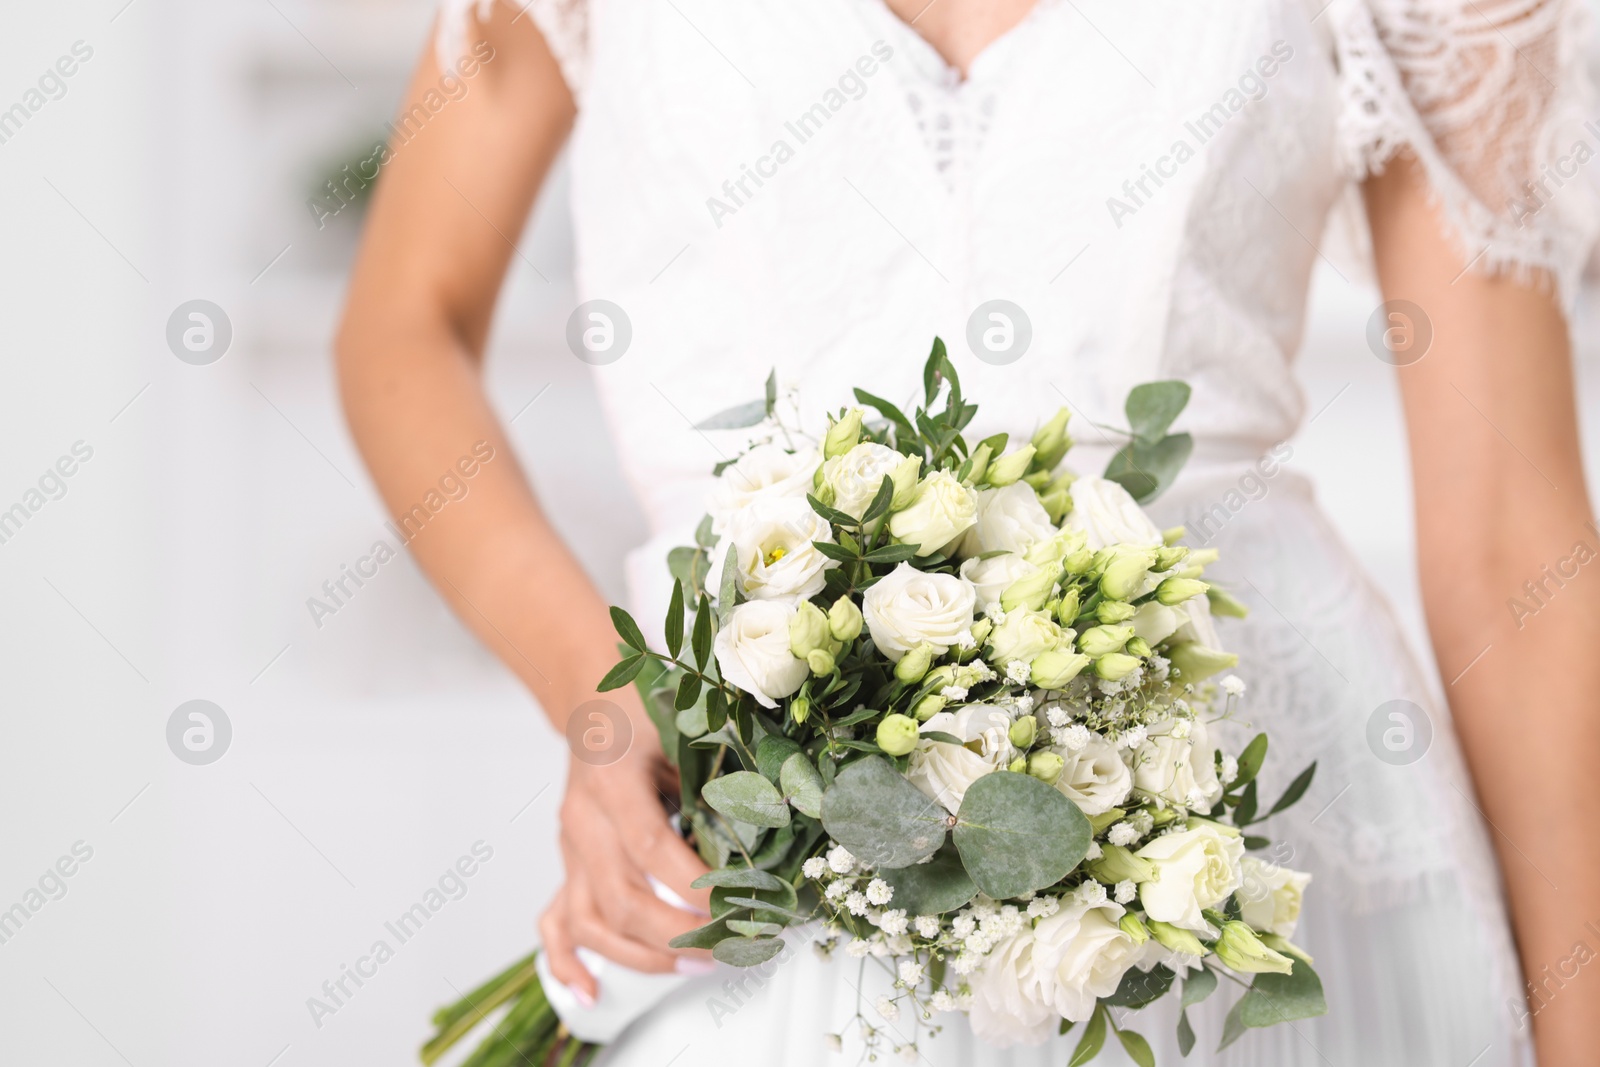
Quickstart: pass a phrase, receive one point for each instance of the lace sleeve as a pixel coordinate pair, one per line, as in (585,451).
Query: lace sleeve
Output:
(1491,96)
(564,24)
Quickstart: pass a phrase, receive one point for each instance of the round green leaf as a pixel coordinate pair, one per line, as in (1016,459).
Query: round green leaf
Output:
(1017,834)
(747,797)
(883,820)
(747,951)
(802,784)
(739,878)
(771,753)
(1276,998)
(931,888)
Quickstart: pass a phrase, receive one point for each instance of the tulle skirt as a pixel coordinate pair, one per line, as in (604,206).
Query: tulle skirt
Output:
(1404,917)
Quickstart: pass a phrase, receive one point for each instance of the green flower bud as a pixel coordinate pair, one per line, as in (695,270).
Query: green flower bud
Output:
(1177,939)
(1067,607)
(1051,440)
(1078,561)
(800,709)
(1018,765)
(1134,928)
(1054,669)
(1101,640)
(1223,604)
(843,434)
(897,734)
(1195,662)
(820,660)
(914,664)
(1169,557)
(980,463)
(929,706)
(982,629)
(1033,591)
(1038,479)
(1172,535)
(808,630)
(1057,503)
(1115,611)
(1124,573)
(1177,590)
(1115,666)
(1282,944)
(1118,864)
(1241,950)
(1138,646)
(905,481)
(1022,732)
(844,619)
(1203,557)
(1010,467)
(1045,766)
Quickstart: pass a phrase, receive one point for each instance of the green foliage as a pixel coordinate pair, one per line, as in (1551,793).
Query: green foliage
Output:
(884,820)
(746,797)
(1017,835)
(940,885)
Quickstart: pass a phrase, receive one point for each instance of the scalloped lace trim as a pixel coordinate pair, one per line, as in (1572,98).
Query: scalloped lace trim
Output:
(1491,97)
(564,24)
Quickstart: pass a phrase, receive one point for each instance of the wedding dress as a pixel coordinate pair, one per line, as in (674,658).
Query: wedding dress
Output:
(807,186)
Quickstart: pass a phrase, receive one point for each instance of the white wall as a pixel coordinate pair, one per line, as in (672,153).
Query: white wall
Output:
(369,753)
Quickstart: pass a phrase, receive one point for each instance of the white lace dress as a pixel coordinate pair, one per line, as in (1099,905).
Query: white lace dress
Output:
(806,186)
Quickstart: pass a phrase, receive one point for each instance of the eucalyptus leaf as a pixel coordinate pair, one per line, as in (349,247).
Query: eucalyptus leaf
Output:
(880,817)
(747,951)
(737,417)
(766,908)
(764,905)
(1017,834)
(703,535)
(1153,406)
(691,722)
(747,797)
(1277,998)
(728,595)
(1147,470)
(933,888)
(1185,1034)
(702,936)
(801,783)
(739,878)
(749,929)
(771,753)
(1199,985)
(1139,988)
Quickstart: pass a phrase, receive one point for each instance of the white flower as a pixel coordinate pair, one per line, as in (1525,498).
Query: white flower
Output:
(1076,736)
(773,540)
(834,1042)
(963,925)
(1132,737)
(1195,869)
(1094,776)
(1123,833)
(927,925)
(837,890)
(1178,769)
(893,922)
(1230,769)
(1018,671)
(1269,899)
(857,903)
(1080,954)
(766,472)
(840,861)
(1008,520)
(1023,636)
(1155,622)
(1180,728)
(942,510)
(888,1009)
(942,1001)
(1196,623)
(1092,893)
(910,972)
(1095,851)
(879,891)
(908,607)
(1006,1006)
(944,771)
(1107,515)
(991,577)
(1042,907)
(1127,890)
(859,949)
(855,476)
(753,651)
(1233,685)
(908,1053)
(814,867)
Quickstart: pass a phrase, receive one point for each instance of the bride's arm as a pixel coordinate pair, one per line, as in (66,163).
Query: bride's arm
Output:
(410,352)
(1500,497)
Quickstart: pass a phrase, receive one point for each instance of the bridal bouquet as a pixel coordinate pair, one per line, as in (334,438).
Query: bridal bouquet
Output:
(948,709)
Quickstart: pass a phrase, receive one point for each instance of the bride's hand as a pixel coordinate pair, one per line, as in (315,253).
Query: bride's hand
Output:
(614,836)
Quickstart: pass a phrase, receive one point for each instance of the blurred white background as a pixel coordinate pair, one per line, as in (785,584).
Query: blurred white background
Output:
(370,753)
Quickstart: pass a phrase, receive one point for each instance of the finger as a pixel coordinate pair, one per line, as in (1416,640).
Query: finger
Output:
(592,932)
(656,849)
(558,950)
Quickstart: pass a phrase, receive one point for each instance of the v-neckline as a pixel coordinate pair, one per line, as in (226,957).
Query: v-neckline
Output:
(953,74)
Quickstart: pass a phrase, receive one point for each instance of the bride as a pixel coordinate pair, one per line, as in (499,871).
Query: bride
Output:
(1079,195)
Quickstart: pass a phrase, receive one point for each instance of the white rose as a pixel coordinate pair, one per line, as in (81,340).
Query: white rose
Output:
(990,577)
(907,607)
(766,472)
(856,476)
(1195,869)
(1107,515)
(1269,899)
(753,654)
(1004,1011)
(777,560)
(1079,955)
(1155,622)
(944,771)
(1024,635)
(942,510)
(1094,777)
(1180,770)
(1008,520)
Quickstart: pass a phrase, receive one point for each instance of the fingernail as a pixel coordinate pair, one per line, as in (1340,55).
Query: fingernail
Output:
(694,967)
(584,996)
